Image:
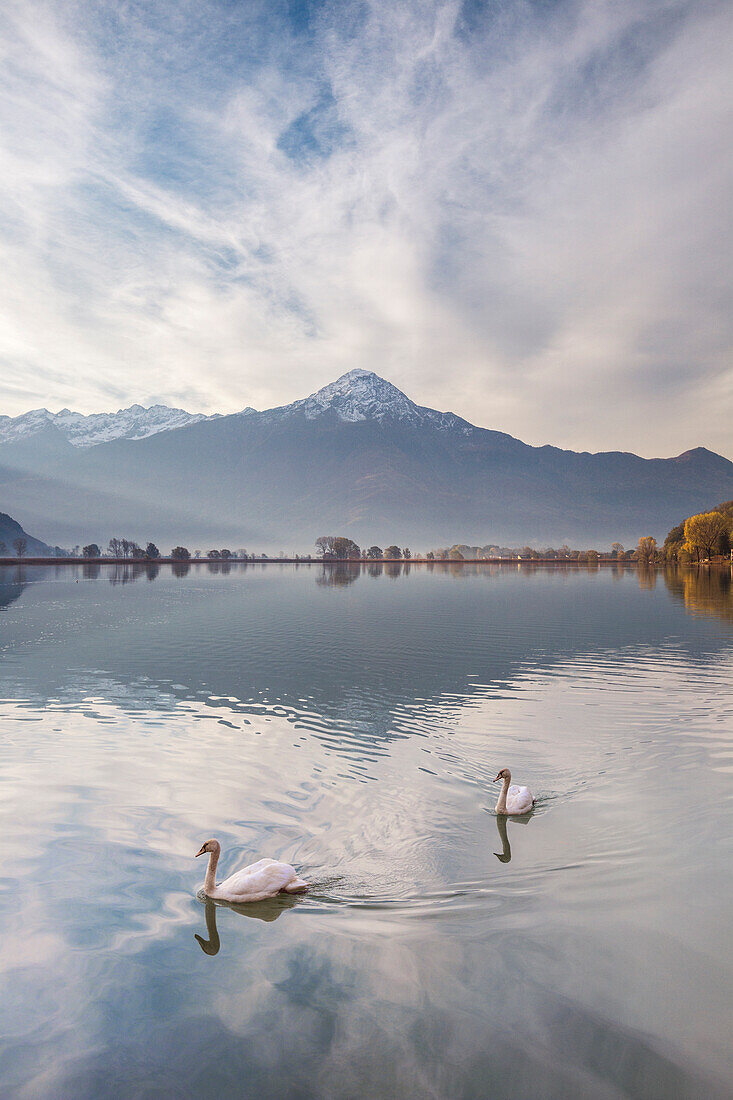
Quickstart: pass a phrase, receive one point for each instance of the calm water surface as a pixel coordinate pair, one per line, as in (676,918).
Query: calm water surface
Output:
(351,722)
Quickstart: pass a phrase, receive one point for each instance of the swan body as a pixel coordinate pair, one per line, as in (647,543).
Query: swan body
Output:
(264,879)
(513,800)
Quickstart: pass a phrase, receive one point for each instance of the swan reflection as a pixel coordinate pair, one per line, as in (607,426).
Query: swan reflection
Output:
(268,910)
(502,822)
(505,855)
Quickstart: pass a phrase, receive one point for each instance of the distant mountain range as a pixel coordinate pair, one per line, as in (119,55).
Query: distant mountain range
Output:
(357,458)
(88,431)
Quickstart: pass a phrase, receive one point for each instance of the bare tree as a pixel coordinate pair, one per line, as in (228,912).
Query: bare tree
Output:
(20,545)
(324,545)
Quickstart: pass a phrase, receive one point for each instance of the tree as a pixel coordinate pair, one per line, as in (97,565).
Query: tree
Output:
(20,545)
(456,555)
(180,553)
(345,548)
(152,551)
(704,532)
(674,542)
(226,555)
(375,552)
(91,551)
(430,555)
(214,555)
(406,554)
(647,548)
(392,552)
(324,546)
(115,547)
(617,549)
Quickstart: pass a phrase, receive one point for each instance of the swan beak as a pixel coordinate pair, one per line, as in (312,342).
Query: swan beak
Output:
(200,852)
(494,780)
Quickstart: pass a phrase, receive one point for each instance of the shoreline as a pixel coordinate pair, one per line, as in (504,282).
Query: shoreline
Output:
(27,560)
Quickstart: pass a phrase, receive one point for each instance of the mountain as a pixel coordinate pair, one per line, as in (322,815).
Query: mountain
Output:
(357,458)
(136,422)
(10,530)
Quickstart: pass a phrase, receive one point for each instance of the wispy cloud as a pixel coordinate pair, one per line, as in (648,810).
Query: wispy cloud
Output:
(516,211)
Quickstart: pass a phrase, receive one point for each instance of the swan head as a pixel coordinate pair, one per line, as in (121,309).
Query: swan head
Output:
(209,846)
(503,774)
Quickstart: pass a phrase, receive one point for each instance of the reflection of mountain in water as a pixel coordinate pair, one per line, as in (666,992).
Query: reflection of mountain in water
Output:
(704,590)
(12,583)
(400,651)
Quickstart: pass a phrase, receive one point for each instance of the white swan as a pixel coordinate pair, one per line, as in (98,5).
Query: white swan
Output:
(260,880)
(512,800)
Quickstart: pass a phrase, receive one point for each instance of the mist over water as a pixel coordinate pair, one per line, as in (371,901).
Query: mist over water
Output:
(350,720)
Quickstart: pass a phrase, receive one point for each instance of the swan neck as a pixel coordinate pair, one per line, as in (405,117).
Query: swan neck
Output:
(210,880)
(501,801)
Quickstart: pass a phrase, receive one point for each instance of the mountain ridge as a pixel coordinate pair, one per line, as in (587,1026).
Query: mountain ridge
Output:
(358,458)
(10,530)
(355,396)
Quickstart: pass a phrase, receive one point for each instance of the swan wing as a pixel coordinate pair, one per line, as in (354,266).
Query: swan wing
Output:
(253,868)
(519,800)
(260,880)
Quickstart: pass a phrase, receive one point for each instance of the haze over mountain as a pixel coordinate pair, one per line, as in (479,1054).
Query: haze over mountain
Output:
(357,457)
(10,530)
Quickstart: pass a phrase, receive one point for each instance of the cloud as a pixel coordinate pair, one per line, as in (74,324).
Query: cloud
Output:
(513,211)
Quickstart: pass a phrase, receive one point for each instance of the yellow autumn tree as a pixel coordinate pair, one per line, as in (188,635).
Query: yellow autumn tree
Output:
(703,533)
(647,548)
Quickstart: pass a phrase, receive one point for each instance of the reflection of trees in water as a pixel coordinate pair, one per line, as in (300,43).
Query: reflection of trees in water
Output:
(180,568)
(647,576)
(338,575)
(91,570)
(704,590)
(123,573)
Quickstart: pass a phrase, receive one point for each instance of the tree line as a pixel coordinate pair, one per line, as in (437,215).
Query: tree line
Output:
(464,552)
(339,548)
(702,536)
(20,545)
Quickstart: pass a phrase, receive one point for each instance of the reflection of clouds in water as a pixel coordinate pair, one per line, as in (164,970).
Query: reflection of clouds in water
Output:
(426,965)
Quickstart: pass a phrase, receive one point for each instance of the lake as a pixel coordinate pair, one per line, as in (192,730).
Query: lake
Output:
(350,720)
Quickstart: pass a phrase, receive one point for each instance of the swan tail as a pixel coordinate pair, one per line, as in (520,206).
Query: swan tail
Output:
(296,886)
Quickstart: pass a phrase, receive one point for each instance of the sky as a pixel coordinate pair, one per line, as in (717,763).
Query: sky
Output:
(516,211)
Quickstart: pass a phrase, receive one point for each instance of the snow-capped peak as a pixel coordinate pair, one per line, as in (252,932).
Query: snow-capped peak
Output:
(135,422)
(358,395)
(363,395)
